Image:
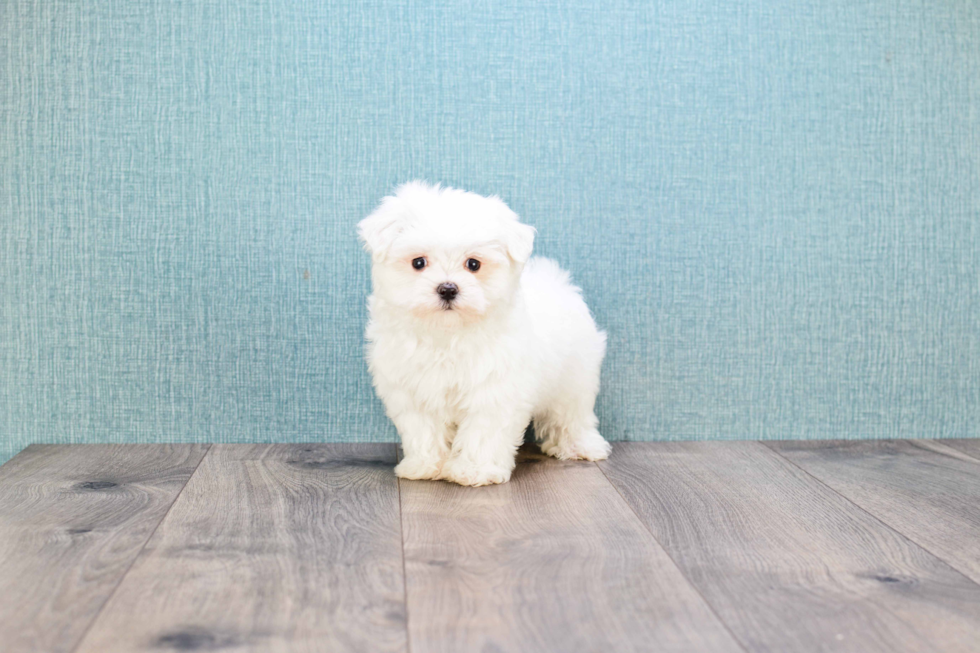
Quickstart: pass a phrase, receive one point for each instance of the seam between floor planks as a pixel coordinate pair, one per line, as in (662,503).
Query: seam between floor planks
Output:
(621,499)
(401,535)
(119,582)
(270,547)
(693,586)
(682,480)
(878,519)
(877,502)
(116,508)
(448,567)
(968,447)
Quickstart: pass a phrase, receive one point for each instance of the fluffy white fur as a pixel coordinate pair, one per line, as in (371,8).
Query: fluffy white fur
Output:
(462,379)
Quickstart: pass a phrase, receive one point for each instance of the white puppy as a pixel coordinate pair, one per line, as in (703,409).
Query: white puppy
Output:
(468,340)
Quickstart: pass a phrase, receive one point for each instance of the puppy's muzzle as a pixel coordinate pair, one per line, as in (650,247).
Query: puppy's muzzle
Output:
(447,291)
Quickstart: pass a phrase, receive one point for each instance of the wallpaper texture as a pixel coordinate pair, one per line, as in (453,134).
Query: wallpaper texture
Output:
(772,206)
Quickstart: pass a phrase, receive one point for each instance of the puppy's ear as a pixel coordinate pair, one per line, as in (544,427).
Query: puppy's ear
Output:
(379,230)
(518,237)
(520,241)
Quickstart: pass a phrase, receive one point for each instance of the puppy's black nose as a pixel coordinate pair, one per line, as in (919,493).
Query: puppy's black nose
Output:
(448,291)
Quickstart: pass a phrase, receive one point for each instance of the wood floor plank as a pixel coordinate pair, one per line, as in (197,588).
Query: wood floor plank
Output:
(788,564)
(270,548)
(72,520)
(970,447)
(924,489)
(554,560)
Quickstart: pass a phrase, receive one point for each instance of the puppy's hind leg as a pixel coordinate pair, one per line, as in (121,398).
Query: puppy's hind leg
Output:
(566,425)
(568,432)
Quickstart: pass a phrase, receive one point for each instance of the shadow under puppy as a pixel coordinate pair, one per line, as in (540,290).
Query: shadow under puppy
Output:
(469,340)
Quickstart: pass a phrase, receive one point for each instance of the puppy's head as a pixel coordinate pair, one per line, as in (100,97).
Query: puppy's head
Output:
(444,255)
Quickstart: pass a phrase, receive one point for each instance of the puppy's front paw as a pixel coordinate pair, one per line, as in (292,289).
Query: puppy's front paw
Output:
(475,475)
(418,468)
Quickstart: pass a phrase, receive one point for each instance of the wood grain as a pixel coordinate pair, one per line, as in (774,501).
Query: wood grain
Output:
(788,564)
(924,489)
(970,447)
(554,560)
(269,548)
(72,520)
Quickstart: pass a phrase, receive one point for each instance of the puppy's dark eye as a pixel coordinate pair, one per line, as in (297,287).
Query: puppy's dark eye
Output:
(472,264)
(418,263)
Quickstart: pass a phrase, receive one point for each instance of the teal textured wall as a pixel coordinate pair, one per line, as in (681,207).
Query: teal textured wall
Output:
(772,207)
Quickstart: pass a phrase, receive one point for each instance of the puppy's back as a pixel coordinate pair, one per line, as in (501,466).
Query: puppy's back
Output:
(554,303)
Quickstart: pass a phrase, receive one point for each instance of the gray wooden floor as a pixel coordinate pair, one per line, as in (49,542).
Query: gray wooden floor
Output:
(722,546)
